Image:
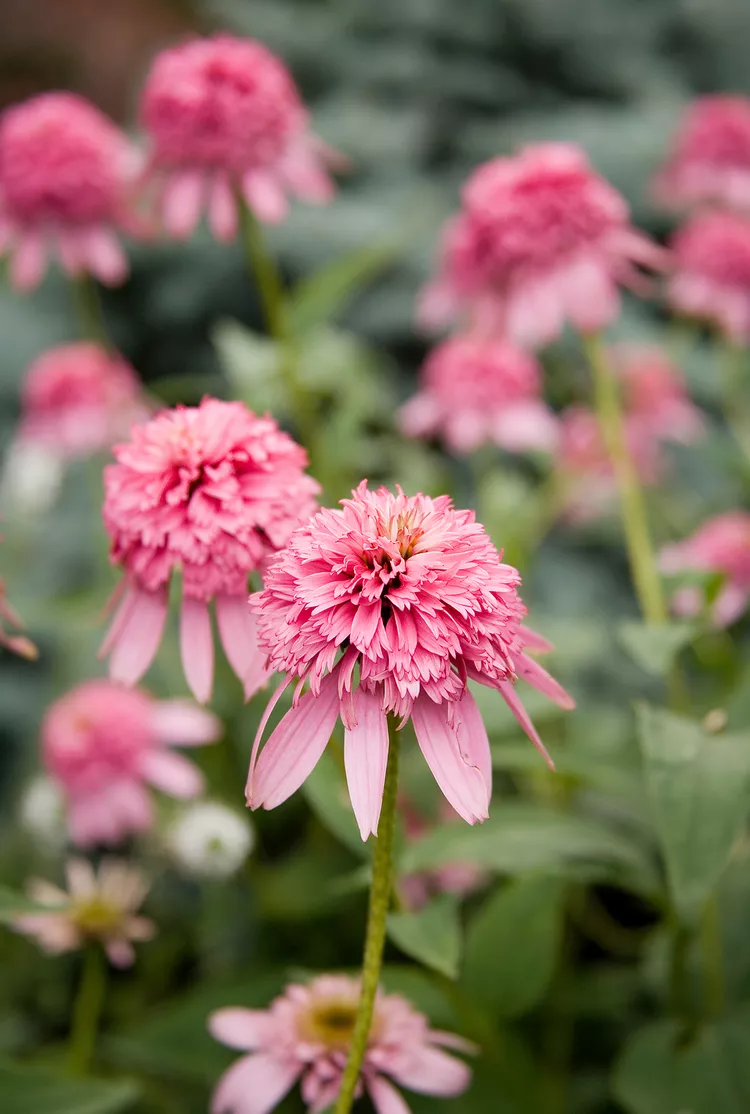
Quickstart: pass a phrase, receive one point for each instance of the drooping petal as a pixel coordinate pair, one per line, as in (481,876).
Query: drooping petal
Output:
(222,209)
(472,736)
(461,781)
(120,952)
(179,723)
(174,774)
(28,262)
(432,1072)
(197,647)
(103,255)
(511,698)
(139,636)
(365,759)
(541,680)
(535,642)
(239,637)
(254,1085)
(239,1028)
(265,196)
(385,1098)
(181,203)
(729,604)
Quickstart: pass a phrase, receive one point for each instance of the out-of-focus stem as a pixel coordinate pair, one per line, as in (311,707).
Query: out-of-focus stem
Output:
(87,1010)
(88,310)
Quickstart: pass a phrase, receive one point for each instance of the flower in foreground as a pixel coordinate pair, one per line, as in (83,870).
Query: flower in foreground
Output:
(66,179)
(720,545)
(541,238)
(104,744)
(654,393)
(476,389)
(98,905)
(390,605)
(214,491)
(710,161)
(225,120)
(210,840)
(711,277)
(305,1034)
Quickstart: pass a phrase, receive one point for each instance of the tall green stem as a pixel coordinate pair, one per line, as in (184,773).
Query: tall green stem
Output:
(88,310)
(87,1010)
(734,394)
(713,959)
(380,898)
(633,508)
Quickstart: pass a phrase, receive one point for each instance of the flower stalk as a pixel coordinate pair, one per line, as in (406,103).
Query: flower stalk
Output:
(88,310)
(87,1010)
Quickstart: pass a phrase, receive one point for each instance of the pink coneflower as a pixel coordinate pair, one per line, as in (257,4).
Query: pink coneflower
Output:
(97,906)
(212,490)
(476,389)
(720,545)
(305,1034)
(104,744)
(390,605)
(459,878)
(654,393)
(711,279)
(225,119)
(66,174)
(710,162)
(541,238)
(78,399)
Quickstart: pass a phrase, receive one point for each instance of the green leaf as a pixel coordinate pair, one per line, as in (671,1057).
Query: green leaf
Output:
(512,945)
(697,785)
(432,936)
(251,363)
(328,797)
(655,648)
(322,295)
(32,1090)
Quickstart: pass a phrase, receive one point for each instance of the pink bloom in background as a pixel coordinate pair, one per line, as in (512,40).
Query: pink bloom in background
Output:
(305,1034)
(9,617)
(66,182)
(214,491)
(78,399)
(541,238)
(710,161)
(655,395)
(720,545)
(475,389)
(98,905)
(711,277)
(459,878)
(104,744)
(224,118)
(391,604)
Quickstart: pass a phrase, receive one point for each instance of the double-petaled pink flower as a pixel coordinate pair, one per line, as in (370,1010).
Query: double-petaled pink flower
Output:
(655,396)
(390,605)
(710,160)
(225,121)
(476,389)
(214,491)
(720,545)
(105,745)
(305,1035)
(711,277)
(66,187)
(541,238)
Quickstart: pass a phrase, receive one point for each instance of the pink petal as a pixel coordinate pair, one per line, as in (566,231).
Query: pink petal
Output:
(239,637)
(365,758)
(541,680)
(181,203)
(120,619)
(120,953)
(28,261)
(453,1040)
(265,197)
(527,425)
(262,726)
(730,603)
(197,647)
(590,295)
(385,1098)
(472,737)
(461,781)
(181,724)
(139,637)
(254,1085)
(101,250)
(109,814)
(511,698)
(535,642)
(239,1028)
(295,746)
(172,773)
(432,1072)
(222,209)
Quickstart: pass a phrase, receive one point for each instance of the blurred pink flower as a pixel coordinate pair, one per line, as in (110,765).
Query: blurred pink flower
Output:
(105,744)
(654,393)
(476,389)
(77,399)
(459,878)
(212,490)
(710,159)
(66,181)
(225,119)
(412,597)
(711,277)
(720,545)
(305,1034)
(541,238)
(97,906)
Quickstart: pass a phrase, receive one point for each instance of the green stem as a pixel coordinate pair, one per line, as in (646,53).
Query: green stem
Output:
(87,1010)
(380,898)
(713,960)
(633,508)
(734,401)
(88,310)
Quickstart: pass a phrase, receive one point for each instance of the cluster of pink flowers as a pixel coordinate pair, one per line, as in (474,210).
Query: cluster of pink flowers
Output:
(721,545)
(710,161)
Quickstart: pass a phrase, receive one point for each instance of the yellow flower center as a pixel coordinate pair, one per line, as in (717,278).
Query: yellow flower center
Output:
(95,917)
(331,1023)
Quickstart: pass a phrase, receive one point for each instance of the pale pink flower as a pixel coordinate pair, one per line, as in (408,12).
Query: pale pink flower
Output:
(720,545)
(305,1035)
(78,399)
(711,277)
(225,119)
(105,744)
(475,389)
(654,393)
(389,605)
(214,491)
(98,905)
(66,179)
(710,160)
(541,238)
(459,878)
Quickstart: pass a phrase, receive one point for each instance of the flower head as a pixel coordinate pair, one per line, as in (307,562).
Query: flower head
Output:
(305,1034)
(224,117)
(711,279)
(66,173)
(210,840)
(710,160)
(389,605)
(540,238)
(720,545)
(103,744)
(212,490)
(476,389)
(98,906)
(655,395)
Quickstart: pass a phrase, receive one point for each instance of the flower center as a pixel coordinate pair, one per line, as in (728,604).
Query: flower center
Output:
(332,1023)
(96,917)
